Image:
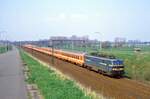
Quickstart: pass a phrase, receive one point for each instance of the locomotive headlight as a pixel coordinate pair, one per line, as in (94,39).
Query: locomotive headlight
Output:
(120,68)
(117,69)
(114,69)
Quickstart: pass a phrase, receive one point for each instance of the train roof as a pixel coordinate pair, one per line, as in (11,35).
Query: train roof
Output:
(103,58)
(79,52)
(72,52)
(68,51)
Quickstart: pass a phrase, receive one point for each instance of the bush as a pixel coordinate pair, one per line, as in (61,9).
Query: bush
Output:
(147,75)
(106,55)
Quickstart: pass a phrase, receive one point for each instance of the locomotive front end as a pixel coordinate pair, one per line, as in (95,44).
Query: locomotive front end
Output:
(117,68)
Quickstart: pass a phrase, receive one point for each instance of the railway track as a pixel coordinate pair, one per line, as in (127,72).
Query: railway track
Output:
(122,88)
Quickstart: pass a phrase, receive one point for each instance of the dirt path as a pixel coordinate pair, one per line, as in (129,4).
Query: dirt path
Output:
(118,88)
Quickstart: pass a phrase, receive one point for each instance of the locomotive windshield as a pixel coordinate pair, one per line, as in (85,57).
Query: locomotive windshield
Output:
(117,62)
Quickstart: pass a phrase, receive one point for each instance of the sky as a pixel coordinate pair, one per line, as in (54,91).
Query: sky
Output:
(99,19)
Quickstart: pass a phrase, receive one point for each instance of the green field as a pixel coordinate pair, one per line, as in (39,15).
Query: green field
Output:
(49,83)
(137,64)
(4,49)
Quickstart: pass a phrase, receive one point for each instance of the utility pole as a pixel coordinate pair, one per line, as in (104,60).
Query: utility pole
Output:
(0,35)
(6,41)
(32,49)
(72,44)
(100,42)
(84,46)
(52,58)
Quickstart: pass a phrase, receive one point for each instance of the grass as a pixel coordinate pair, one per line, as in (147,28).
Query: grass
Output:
(4,49)
(49,83)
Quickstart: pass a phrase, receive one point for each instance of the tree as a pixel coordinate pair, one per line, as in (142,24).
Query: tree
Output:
(106,44)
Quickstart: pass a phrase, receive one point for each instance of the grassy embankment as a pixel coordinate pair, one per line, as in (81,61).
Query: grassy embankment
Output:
(51,85)
(4,49)
(137,64)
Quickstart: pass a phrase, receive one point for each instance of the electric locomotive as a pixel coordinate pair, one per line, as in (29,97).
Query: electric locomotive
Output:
(111,67)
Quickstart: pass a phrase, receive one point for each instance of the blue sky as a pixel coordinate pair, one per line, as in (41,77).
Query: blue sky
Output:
(40,19)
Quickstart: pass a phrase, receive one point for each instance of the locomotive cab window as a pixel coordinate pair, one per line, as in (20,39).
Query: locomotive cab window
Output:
(117,62)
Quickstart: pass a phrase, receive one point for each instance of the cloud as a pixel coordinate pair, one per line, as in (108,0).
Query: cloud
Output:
(75,17)
(79,17)
(62,16)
